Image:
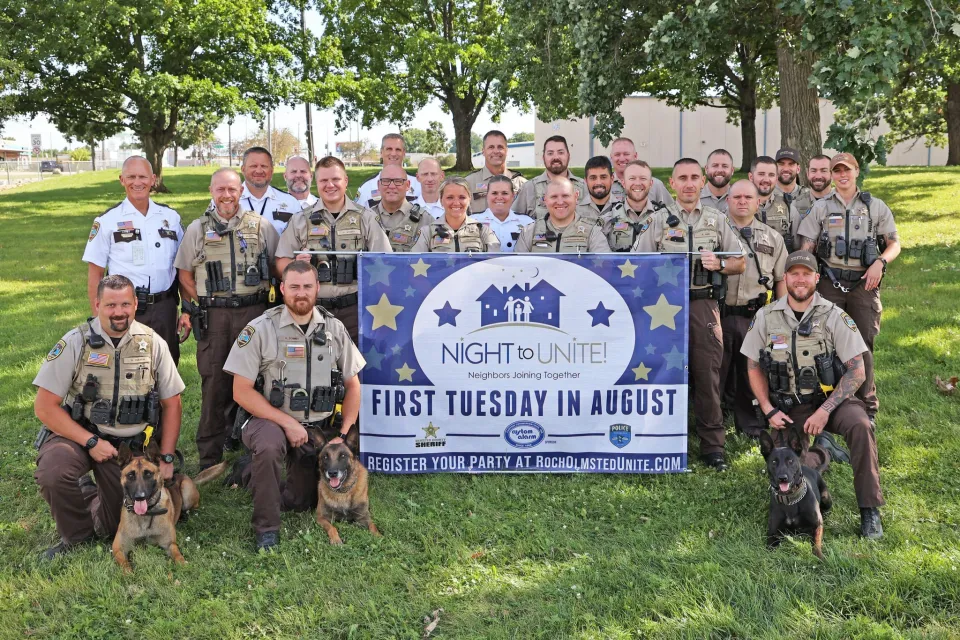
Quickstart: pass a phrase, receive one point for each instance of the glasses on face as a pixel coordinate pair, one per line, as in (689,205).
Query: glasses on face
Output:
(397,182)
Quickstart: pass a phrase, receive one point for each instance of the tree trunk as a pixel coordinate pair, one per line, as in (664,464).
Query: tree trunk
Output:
(93,155)
(748,124)
(176,156)
(953,123)
(154,145)
(799,103)
(462,126)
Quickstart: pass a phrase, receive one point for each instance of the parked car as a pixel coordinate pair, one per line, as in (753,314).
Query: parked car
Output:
(50,165)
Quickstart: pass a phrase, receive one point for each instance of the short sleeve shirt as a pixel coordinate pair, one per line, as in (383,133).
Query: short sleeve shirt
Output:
(370,190)
(507,231)
(833,205)
(276,205)
(192,244)
(596,241)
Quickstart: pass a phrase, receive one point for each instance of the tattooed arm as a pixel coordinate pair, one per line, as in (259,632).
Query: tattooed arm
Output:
(845,389)
(893,246)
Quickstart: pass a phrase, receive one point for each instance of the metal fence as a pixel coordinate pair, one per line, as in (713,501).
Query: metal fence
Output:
(17,172)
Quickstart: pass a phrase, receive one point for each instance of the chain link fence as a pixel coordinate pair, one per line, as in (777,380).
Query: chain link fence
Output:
(14,172)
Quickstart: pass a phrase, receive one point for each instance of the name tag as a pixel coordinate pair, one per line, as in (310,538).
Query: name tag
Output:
(762,248)
(137,360)
(282,216)
(126,235)
(169,234)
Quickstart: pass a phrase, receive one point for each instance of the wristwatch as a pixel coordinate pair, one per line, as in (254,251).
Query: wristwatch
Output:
(168,458)
(91,443)
(723,264)
(885,263)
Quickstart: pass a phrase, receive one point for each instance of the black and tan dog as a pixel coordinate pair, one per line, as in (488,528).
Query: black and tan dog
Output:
(798,494)
(342,489)
(151,509)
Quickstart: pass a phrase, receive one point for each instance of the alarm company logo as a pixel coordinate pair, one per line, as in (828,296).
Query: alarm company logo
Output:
(431,439)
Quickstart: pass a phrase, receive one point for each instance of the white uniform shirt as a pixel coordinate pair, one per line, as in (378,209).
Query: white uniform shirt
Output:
(307,202)
(141,247)
(371,189)
(274,205)
(433,208)
(513,224)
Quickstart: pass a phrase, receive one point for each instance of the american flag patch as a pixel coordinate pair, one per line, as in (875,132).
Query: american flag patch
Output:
(99,359)
(675,233)
(125,225)
(296,351)
(212,235)
(621,226)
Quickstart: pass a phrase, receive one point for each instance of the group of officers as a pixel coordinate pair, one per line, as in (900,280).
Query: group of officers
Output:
(784,306)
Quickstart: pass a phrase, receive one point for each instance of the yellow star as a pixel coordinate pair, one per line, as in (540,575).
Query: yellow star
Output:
(430,430)
(640,372)
(384,314)
(662,313)
(420,268)
(628,269)
(405,373)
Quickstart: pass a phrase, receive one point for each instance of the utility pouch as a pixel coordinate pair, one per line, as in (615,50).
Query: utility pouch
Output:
(299,400)
(276,395)
(870,252)
(101,412)
(323,399)
(841,248)
(823,247)
(855,250)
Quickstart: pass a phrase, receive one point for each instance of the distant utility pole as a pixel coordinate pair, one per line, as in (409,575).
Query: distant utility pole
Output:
(303,29)
(230,142)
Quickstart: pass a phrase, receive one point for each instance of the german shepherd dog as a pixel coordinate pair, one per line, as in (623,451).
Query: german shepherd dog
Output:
(151,510)
(798,494)
(342,488)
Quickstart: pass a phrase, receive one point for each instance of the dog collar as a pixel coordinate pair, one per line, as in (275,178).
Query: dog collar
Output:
(151,508)
(793,497)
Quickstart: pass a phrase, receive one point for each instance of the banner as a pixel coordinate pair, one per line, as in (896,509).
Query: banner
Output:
(520,363)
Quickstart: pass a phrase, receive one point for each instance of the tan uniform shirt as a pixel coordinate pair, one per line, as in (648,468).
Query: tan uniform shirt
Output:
(765,248)
(846,338)
(58,369)
(596,241)
(398,225)
(774,209)
(658,192)
(192,245)
(591,210)
(621,237)
(478,186)
(528,201)
(708,199)
(854,221)
(425,240)
(257,347)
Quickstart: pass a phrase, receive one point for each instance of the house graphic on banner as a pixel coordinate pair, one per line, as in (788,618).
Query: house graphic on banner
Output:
(539,304)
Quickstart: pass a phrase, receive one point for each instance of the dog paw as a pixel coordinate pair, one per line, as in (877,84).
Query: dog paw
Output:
(336,541)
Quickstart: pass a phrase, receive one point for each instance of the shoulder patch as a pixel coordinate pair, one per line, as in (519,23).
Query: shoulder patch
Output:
(94,230)
(56,351)
(245,336)
(848,321)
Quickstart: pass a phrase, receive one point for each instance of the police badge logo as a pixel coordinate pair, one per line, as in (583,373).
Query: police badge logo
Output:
(848,321)
(620,435)
(56,351)
(94,230)
(245,336)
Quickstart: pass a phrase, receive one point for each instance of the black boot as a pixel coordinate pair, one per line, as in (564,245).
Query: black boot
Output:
(870,526)
(715,460)
(828,443)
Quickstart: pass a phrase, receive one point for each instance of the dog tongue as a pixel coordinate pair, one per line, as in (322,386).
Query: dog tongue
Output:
(334,482)
(784,487)
(139,507)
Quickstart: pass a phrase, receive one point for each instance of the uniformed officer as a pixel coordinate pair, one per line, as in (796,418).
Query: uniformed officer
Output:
(225,263)
(622,153)
(457,230)
(598,174)
(819,179)
(494,151)
(788,170)
(757,286)
(139,238)
(276,205)
(298,177)
(690,226)
(793,350)
(502,220)
(622,226)
(556,159)
(308,368)
(393,151)
(400,219)
(563,230)
(855,238)
(774,210)
(102,385)
(719,170)
(334,223)
(431,176)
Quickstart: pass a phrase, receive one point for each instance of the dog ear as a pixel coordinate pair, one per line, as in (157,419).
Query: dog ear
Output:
(152,452)
(766,444)
(795,442)
(352,438)
(315,437)
(124,455)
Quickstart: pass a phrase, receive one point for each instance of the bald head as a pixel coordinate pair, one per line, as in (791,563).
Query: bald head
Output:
(136,176)
(225,189)
(560,183)
(297,176)
(561,201)
(743,202)
(136,163)
(393,195)
(430,175)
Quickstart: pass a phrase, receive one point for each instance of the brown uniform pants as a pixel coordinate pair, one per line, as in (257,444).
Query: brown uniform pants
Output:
(162,318)
(706,355)
(865,309)
(350,317)
(850,421)
(269,448)
(733,372)
(60,463)
(217,408)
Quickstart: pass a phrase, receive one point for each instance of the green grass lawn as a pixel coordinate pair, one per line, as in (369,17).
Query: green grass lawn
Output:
(589,556)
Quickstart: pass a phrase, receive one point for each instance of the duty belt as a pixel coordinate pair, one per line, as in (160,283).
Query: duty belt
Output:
(787,401)
(848,275)
(701,294)
(153,298)
(340,302)
(234,302)
(746,310)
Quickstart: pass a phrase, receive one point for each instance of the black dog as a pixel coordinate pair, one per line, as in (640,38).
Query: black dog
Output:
(798,494)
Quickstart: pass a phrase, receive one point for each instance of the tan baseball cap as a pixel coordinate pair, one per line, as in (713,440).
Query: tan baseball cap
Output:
(845,159)
(801,259)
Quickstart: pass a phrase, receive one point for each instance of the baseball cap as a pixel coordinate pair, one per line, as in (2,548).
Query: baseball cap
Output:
(844,158)
(802,258)
(788,153)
